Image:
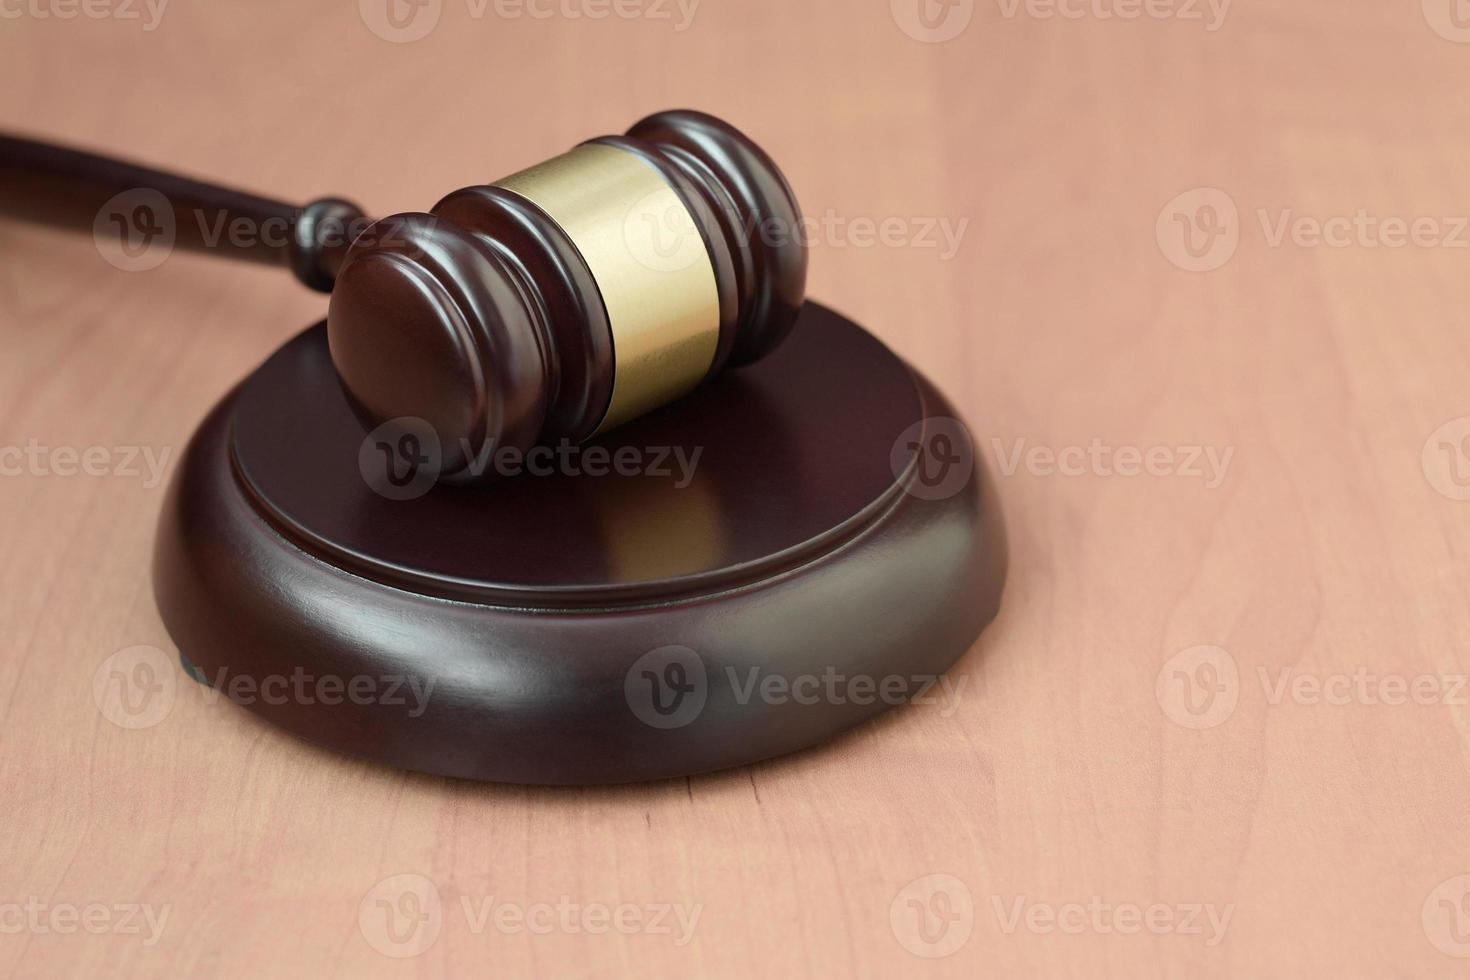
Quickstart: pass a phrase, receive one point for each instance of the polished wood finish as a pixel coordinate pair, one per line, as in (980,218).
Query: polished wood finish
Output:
(56,185)
(1059,777)
(482,318)
(759,472)
(791,547)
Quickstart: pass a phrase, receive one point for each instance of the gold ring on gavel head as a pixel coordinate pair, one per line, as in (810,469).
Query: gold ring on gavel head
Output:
(649,261)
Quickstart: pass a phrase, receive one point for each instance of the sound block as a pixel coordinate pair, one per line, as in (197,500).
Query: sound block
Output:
(787,552)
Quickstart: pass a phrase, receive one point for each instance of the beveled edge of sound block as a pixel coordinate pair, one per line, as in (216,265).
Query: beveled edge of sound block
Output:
(637,692)
(778,463)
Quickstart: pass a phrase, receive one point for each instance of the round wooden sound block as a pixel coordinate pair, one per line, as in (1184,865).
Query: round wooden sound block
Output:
(787,552)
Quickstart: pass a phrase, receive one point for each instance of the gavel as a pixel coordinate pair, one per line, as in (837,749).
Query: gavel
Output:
(554,304)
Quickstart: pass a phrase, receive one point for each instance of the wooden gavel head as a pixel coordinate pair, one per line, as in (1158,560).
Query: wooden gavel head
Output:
(576,295)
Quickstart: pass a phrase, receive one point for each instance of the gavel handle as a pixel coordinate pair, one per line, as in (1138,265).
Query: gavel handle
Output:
(67,188)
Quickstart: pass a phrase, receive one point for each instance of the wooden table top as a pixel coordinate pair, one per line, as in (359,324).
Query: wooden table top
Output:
(1195,274)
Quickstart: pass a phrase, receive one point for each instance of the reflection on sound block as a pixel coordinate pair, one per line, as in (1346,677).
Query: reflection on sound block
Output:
(818,512)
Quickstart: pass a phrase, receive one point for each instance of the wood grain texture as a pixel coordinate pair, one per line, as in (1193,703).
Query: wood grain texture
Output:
(1333,835)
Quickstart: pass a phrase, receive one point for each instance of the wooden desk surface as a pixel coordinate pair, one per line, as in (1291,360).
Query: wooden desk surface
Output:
(1220,727)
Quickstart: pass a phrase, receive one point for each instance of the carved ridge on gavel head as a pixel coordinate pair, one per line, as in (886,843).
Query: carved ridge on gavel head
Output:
(571,297)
